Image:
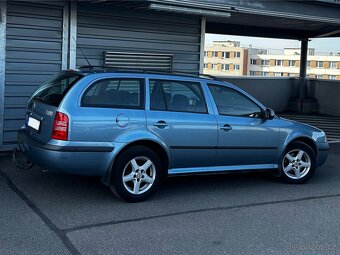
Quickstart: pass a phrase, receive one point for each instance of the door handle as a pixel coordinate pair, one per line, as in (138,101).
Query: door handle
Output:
(160,124)
(226,128)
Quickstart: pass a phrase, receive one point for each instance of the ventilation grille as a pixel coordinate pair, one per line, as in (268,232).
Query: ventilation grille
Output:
(147,61)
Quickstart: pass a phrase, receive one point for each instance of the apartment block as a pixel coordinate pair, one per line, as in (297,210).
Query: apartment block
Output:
(226,58)
(271,63)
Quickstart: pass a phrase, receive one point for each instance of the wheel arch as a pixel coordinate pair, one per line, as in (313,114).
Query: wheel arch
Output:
(307,140)
(158,148)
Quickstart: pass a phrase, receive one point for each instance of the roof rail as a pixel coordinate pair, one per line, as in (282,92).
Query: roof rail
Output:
(142,70)
(211,77)
(103,68)
(207,76)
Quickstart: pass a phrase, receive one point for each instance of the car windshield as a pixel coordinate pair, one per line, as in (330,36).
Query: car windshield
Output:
(53,90)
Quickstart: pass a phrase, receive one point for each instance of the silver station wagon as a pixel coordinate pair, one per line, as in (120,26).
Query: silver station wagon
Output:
(133,129)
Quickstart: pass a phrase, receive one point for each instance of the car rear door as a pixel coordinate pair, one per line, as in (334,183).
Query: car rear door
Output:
(177,112)
(245,138)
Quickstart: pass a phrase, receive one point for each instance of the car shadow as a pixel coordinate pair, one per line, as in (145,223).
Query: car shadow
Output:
(72,200)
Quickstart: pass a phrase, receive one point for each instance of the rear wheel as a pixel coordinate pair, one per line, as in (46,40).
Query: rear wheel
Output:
(136,174)
(298,163)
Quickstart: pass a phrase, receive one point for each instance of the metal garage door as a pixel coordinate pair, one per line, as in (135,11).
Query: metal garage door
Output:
(121,30)
(33,53)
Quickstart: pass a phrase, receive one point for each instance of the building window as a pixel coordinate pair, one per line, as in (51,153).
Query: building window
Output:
(292,63)
(252,73)
(319,64)
(225,67)
(332,64)
(214,66)
(318,76)
(292,75)
(332,77)
(226,54)
(278,62)
(205,53)
(253,61)
(264,62)
(237,54)
(236,67)
(308,63)
(278,74)
(205,65)
(215,54)
(264,74)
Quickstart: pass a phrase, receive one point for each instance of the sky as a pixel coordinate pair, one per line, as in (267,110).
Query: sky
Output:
(324,45)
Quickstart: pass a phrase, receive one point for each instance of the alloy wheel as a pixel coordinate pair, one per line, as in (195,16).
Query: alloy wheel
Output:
(139,175)
(296,164)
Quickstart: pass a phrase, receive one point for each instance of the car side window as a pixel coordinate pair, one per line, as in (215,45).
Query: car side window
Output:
(115,93)
(178,96)
(233,103)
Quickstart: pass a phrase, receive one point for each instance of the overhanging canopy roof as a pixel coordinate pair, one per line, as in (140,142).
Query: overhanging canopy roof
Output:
(274,19)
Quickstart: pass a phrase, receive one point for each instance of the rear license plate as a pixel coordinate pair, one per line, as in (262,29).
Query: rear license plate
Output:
(33,123)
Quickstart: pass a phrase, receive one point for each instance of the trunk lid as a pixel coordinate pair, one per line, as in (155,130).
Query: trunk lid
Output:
(42,106)
(45,114)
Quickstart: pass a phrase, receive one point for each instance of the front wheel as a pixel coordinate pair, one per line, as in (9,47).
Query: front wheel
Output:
(298,163)
(136,174)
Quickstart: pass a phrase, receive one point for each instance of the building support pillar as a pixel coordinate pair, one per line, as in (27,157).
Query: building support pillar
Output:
(73,35)
(69,45)
(202,44)
(66,37)
(303,103)
(3,23)
(303,68)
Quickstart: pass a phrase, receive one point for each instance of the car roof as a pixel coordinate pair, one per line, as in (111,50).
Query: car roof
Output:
(155,74)
(106,73)
(148,73)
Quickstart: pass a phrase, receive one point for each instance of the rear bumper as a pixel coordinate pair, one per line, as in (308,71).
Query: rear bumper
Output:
(72,159)
(323,149)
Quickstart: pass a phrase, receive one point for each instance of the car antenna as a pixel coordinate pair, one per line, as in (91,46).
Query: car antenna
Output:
(88,62)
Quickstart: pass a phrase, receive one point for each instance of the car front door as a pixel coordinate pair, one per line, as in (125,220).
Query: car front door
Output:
(244,136)
(179,114)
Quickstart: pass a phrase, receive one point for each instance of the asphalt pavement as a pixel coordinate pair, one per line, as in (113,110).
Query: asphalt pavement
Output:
(46,213)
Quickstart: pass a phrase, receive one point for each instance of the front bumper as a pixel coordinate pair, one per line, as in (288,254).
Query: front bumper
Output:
(70,159)
(323,149)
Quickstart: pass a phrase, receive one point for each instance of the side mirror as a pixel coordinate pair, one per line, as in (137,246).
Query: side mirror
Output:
(269,114)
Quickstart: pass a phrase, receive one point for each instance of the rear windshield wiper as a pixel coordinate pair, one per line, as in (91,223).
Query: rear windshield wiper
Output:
(40,99)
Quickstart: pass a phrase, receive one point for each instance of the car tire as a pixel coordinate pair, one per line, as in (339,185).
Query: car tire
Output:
(298,163)
(136,174)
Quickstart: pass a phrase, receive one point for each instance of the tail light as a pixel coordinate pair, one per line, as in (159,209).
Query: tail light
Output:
(60,127)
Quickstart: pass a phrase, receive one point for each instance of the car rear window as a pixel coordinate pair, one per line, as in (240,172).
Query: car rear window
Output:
(115,93)
(53,90)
